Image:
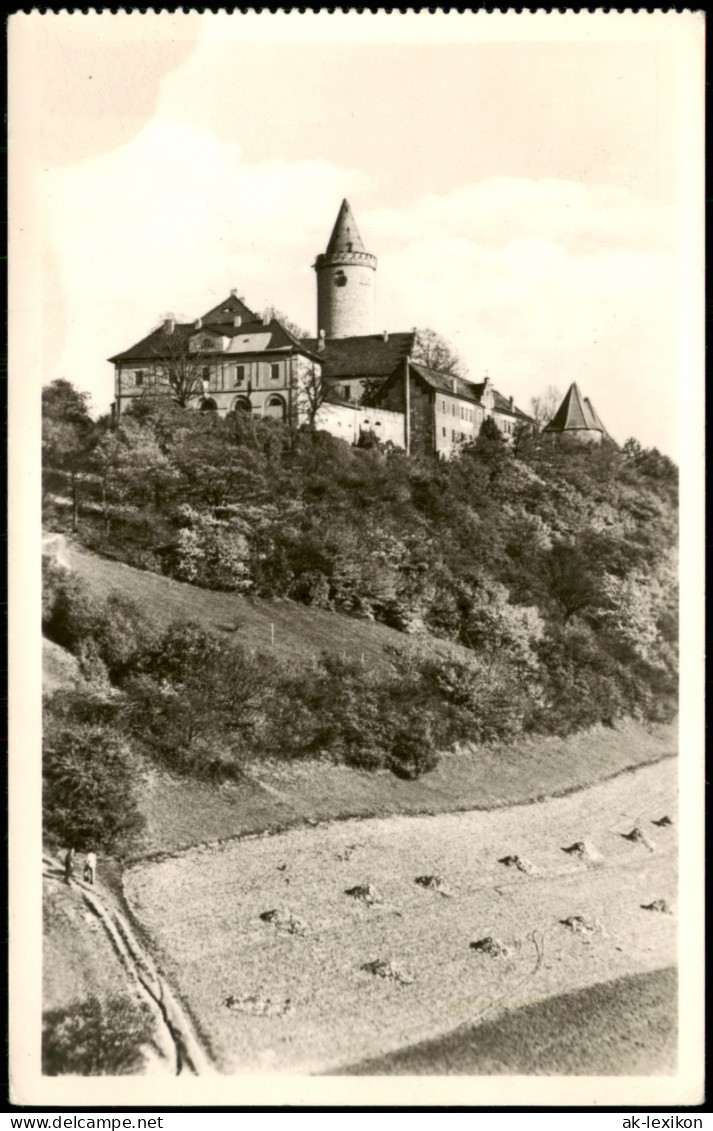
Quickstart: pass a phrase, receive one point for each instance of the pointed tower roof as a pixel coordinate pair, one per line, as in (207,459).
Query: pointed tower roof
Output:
(597,419)
(345,234)
(574,413)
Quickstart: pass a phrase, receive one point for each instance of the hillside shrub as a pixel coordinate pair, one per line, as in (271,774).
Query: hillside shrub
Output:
(95,1037)
(89,786)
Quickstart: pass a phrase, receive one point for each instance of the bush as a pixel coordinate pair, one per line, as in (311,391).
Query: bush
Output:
(95,1037)
(89,786)
(412,751)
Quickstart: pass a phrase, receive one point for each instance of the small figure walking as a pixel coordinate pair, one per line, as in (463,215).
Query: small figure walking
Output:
(90,867)
(69,865)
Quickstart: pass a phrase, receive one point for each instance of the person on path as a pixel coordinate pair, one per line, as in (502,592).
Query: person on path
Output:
(69,865)
(90,867)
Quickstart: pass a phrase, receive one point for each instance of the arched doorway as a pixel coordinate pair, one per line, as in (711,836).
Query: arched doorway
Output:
(275,407)
(241,404)
(208,405)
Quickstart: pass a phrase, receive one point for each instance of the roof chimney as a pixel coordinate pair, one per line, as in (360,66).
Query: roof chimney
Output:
(169,324)
(198,323)
(237,319)
(321,340)
(512,404)
(455,384)
(234,292)
(266,319)
(386,335)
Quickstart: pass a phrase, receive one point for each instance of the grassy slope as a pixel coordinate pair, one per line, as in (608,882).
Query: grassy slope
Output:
(274,796)
(626,1027)
(301,633)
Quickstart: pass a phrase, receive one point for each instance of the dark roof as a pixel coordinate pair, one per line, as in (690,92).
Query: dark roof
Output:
(345,234)
(226,311)
(367,355)
(464,389)
(574,414)
(598,419)
(153,346)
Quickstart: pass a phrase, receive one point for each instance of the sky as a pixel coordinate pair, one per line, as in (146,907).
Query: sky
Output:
(523,183)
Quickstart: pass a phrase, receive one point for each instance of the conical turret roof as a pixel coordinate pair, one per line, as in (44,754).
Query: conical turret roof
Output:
(596,418)
(345,235)
(575,412)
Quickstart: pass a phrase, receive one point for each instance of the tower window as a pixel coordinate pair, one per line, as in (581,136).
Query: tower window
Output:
(340,279)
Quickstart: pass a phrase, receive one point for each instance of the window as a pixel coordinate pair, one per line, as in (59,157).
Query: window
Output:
(347,393)
(444,405)
(275,372)
(205,375)
(453,433)
(453,409)
(239,374)
(139,377)
(444,431)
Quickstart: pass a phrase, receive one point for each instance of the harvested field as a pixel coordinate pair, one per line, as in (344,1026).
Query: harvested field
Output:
(622,1028)
(367,978)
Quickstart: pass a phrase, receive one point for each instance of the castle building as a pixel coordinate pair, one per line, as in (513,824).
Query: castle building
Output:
(577,421)
(233,359)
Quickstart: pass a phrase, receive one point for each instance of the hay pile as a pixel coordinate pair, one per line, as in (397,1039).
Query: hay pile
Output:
(657,905)
(518,862)
(385,968)
(638,836)
(367,893)
(585,852)
(490,946)
(283,920)
(434,883)
(259,1006)
(580,925)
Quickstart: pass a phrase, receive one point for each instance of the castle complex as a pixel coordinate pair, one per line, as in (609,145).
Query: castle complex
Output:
(232,359)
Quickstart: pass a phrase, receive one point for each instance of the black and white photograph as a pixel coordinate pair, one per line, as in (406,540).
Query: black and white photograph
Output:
(356,524)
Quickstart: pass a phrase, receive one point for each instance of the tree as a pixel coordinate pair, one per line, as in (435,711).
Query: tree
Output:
(293,328)
(181,365)
(435,352)
(314,391)
(544,407)
(89,798)
(68,436)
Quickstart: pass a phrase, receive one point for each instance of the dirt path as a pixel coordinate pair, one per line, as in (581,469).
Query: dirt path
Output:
(311,949)
(179,1049)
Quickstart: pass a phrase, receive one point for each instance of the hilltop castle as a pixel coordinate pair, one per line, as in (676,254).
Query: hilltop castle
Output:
(238,360)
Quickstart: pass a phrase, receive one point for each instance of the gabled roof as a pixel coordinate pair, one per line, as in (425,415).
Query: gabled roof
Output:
(574,414)
(466,390)
(226,311)
(446,383)
(366,355)
(259,337)
(345,234)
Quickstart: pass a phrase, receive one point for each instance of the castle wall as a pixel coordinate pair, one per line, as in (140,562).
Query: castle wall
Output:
(348,421)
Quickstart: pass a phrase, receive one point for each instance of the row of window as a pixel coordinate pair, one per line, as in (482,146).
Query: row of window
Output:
(465,413)
(223,380)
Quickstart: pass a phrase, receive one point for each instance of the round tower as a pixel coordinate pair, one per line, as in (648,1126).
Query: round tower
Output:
(346,275)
